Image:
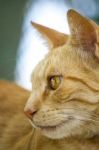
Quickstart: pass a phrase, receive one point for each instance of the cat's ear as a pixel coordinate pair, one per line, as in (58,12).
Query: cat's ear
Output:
(53,37)
(83,32)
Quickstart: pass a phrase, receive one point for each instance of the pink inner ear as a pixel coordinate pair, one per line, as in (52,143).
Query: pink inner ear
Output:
(83,31)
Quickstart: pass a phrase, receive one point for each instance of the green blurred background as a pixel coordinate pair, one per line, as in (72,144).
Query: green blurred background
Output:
(12,13)
(11,18)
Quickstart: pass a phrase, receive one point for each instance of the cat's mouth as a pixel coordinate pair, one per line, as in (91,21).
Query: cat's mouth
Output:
(51,128)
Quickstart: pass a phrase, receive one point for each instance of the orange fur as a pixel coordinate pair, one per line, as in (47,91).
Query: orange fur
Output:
(65,118)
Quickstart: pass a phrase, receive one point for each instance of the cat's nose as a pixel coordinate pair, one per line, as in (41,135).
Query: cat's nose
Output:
(30,113)
(32,106)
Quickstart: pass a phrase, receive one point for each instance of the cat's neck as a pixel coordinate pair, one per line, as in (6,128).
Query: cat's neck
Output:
(41,142)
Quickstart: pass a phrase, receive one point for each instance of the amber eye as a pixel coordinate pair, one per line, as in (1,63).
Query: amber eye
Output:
(54,82)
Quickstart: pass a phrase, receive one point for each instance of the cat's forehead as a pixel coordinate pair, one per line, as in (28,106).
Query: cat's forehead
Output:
(49,64)
(61,60)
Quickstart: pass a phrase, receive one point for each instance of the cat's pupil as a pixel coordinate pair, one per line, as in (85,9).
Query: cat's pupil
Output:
(54,82)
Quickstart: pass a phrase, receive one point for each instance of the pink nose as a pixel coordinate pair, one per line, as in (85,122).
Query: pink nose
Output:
(30,113)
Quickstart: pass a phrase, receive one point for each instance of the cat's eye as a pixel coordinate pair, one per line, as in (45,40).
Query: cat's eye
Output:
(54,82)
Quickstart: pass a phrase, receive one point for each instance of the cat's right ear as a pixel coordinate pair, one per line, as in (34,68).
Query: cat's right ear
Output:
(53,37)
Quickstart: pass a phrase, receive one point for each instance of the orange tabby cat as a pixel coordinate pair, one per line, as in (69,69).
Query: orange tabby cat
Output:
(63,106)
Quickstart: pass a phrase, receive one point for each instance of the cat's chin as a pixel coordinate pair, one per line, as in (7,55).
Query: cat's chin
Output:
(59,131)
(65,129)
(55,132)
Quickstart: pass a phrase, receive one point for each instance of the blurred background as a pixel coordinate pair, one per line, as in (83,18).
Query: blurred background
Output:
(21,47)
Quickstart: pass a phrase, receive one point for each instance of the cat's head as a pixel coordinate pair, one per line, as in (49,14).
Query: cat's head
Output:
(65,85)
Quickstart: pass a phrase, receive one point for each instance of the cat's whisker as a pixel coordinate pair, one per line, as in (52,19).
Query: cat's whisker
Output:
(64,101)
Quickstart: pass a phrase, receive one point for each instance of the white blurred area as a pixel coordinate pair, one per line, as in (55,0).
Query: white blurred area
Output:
(32,48)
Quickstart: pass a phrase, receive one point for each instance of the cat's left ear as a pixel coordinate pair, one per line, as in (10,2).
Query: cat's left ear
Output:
(84,32)
(53,37)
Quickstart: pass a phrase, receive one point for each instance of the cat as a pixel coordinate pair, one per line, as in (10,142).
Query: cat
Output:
(62,110)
